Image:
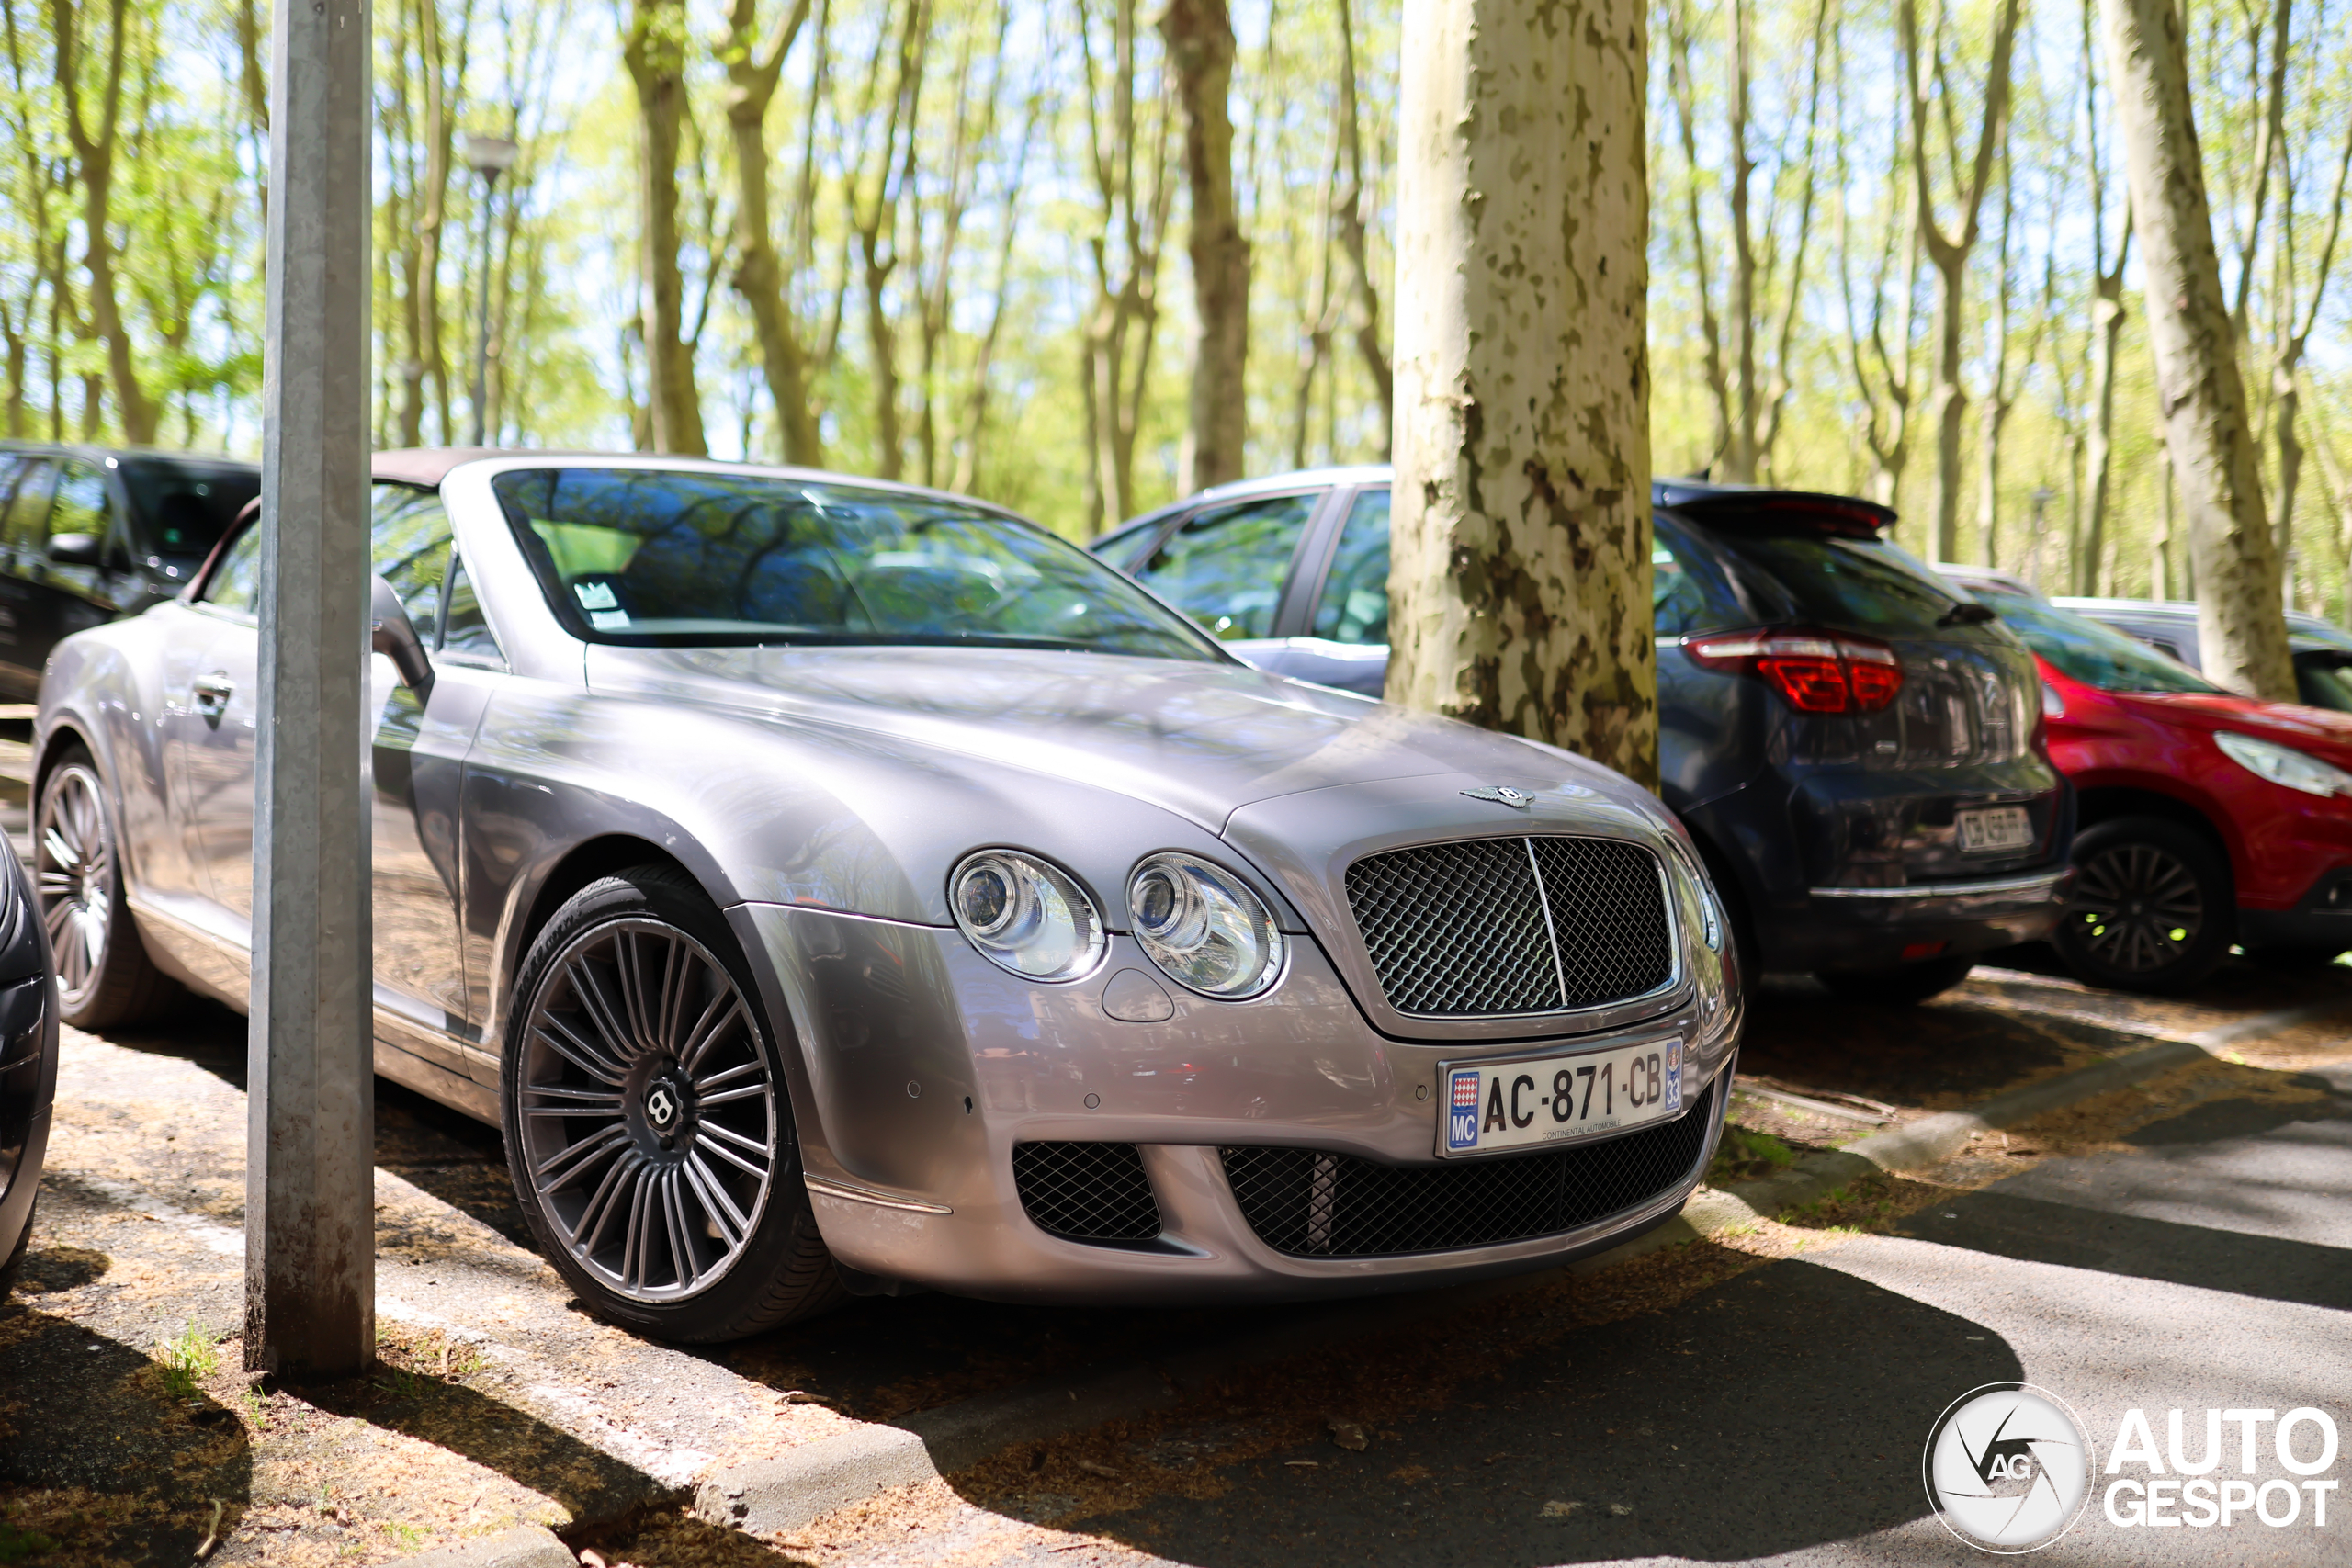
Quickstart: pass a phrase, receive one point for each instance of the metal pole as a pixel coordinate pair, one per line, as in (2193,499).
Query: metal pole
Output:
(482,336)
(309,1214)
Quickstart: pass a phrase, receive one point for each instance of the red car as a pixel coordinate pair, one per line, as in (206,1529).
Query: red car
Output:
(2205,818)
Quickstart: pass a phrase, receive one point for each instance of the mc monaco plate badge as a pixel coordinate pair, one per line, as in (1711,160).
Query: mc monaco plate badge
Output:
(1550,1099)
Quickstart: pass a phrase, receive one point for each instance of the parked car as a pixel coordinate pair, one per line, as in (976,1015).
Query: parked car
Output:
(1854,747)
(2322,651)
(830,885)
(28,1057)
(2208,818)
(88,533)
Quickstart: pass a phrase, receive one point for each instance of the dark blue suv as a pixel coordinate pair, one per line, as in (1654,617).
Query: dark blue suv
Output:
(1856,749)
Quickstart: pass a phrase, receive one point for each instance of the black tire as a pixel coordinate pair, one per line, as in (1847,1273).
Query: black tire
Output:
(1901,984)
(16,1257)
(635,1006)
(2152,908)
(104,976)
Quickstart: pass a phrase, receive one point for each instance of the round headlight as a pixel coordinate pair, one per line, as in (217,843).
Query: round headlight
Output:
(1026,916)
(1204,926)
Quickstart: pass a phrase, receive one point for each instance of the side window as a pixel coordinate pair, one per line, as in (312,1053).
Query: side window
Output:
(81,503)
(1122,549)
(235,588)
(409,546)
(27,522)
(1688,591)
(465,632)
(1226,567)
(1354,606)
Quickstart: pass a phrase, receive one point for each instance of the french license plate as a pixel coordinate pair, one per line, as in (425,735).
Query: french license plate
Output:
(1994,828)
(1552,1100)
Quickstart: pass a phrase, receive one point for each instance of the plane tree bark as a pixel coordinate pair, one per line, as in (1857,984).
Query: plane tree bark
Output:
(2242,630)
(653,49)
(1199,37)
(753,67)
(1520,557)
(1928,75)
(95,143)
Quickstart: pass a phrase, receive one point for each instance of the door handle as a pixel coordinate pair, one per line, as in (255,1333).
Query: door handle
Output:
(212,694)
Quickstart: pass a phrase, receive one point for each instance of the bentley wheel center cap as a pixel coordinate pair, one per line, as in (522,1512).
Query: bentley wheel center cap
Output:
(662,1107)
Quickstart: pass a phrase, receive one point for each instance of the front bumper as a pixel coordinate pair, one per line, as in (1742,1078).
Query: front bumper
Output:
(1870,927)
(921,1065)
(2321,918)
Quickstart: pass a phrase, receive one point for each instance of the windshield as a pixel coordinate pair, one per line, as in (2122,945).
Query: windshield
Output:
(183,508)
(668,559)
(2090,651)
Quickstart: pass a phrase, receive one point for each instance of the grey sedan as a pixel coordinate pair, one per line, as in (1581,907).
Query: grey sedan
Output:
(833,888)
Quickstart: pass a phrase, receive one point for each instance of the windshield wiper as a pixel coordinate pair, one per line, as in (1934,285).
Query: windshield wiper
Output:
(1967,613)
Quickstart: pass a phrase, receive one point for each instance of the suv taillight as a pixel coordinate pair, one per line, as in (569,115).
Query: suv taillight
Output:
(1816,671)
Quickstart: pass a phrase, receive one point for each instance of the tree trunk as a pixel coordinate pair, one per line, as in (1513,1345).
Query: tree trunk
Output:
(1199,37)
(2234,559)
(1521,566)
(94,152)
(1923,61)
(1348,209)
(2107,332)
(752,76)
(654,51)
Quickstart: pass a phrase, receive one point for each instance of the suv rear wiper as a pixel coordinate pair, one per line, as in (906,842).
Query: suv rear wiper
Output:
(1967,613)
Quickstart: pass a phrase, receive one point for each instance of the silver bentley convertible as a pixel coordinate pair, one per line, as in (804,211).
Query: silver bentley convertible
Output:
(831,886)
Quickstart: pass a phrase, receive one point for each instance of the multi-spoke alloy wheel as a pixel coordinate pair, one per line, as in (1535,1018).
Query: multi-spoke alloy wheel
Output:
(2151,908)
(646,1123)
(103,973)
(74,872)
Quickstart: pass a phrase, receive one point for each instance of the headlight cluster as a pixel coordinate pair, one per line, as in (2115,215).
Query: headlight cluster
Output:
(1203,927)
(1198,922)
(2284,764)
(1029,917)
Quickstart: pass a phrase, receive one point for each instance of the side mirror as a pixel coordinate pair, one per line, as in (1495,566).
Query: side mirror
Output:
(393,634)
(75,550)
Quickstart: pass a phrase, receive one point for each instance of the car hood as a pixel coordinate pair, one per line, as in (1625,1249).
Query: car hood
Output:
(1198,739)
(2315,730)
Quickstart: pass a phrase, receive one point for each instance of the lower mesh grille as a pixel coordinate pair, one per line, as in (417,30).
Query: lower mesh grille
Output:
(1087,1192)
(1312,1204)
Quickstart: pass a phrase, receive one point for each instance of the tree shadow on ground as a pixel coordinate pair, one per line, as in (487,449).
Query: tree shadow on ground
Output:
(1583,1442)
(98,1452)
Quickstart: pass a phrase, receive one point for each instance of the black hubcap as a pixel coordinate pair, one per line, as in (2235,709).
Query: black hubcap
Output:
(2137,908)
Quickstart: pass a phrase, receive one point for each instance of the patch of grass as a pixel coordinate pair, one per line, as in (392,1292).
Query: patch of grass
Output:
(187,1360)
(1744,1153)
(408,1538)
(23,1546)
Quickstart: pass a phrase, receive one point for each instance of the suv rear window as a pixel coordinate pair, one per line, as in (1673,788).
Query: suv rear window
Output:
(183,508)
(1834,581)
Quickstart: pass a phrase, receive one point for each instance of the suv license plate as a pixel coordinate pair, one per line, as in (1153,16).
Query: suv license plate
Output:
(1552,1100)
(1994,828)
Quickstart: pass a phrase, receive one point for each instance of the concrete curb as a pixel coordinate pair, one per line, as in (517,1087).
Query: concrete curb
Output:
(526,1546)
(769,1495)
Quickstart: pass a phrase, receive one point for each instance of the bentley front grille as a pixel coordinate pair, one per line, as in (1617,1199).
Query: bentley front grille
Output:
(1096,1192)
(1308,1203)
(1484,927)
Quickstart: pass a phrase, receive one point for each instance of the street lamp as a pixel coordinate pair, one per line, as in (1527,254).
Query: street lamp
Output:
(488,157)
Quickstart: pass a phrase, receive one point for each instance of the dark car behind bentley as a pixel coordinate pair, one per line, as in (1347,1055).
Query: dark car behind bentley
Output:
(89,533)
(1856,748)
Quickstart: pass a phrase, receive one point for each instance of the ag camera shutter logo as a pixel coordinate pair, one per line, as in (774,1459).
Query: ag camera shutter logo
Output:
(2008,1468)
